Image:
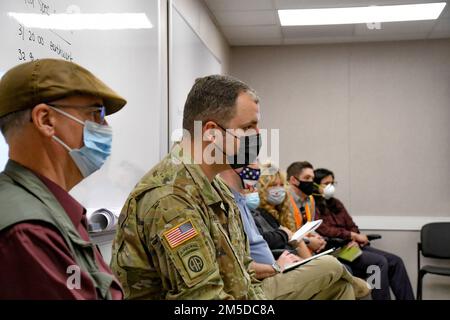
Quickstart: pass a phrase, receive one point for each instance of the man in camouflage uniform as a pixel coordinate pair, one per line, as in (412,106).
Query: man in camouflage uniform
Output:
(180,234)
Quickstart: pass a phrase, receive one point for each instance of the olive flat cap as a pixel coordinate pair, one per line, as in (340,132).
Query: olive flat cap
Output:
(46,80)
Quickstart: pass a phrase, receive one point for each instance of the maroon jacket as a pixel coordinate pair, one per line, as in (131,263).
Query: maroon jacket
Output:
(40,249)
(337,222)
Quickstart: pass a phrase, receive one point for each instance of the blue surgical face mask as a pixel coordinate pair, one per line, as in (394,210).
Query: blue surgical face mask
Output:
(252,200)
(97,145)
(276,195)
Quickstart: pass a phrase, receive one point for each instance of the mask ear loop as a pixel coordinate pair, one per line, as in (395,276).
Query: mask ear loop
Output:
(227,131)
(240,179)
(297,185)
(62,143)
(68,115)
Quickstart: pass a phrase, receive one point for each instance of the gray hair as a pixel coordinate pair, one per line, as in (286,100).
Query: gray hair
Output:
(214,98)
(14,121)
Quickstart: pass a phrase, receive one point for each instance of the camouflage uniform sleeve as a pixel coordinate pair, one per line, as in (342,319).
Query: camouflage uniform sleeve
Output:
(256,291)
(182,250)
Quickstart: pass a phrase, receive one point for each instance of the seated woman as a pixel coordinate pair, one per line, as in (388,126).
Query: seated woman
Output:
(272,216)
(273,205)
(337,223)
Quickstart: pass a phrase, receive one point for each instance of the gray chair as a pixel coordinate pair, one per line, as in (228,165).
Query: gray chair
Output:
(434,243)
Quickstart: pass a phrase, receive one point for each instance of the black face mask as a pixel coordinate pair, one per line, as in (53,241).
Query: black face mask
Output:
(249,147)
(307,187)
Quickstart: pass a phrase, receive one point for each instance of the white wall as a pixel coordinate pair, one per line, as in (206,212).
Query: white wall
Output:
(377,114)
(189,59)
(197,14)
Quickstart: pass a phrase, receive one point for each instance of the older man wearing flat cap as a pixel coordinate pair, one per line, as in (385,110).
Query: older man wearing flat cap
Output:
(52,115)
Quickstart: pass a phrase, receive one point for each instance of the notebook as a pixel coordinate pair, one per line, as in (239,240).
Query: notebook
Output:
(306,228)
(348,254)
(292,266)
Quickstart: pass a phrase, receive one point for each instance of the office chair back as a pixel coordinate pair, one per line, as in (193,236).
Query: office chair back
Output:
(435,240)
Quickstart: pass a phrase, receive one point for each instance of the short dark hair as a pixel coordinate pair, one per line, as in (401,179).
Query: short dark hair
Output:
(321,173)
(296,168)
(213,98)
(14,121)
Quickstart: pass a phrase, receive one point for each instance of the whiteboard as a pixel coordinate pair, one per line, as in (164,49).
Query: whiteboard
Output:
(3,145)
(190,59)
(128,60)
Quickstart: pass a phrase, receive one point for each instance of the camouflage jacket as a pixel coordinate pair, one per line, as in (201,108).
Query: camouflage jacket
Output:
(181,237)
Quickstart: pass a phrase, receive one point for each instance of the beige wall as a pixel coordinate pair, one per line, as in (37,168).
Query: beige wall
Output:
(377,114)
(200,19)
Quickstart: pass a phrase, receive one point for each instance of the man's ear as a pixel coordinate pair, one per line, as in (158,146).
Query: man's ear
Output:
(292,180)
(210,131)
(43,119)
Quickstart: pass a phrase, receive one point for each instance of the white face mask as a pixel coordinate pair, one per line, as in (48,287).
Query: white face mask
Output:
(328,191)
(276,195)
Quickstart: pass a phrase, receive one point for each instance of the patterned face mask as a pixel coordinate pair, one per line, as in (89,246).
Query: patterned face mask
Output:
(249,177)
(276,195)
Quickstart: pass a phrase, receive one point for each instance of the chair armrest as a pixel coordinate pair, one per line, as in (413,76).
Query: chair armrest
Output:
(336,243)
(373,236)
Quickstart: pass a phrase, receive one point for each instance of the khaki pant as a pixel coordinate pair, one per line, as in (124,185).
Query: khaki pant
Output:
(324,278)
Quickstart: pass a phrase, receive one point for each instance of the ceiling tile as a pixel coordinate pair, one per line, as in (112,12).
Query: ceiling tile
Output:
(441,35)
(247,18)
(446,12)
(388,28)
(442,29)
(310,4)
(252,32)
(255,22)
(317,31)
(442,25)
(354,39)
(239,5)
(256,42)
(391,37)
(314,40)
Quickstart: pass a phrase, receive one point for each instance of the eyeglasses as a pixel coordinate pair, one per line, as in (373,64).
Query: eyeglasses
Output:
(97,112)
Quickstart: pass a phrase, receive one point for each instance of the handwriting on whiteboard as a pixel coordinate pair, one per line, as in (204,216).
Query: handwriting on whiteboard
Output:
(41,38)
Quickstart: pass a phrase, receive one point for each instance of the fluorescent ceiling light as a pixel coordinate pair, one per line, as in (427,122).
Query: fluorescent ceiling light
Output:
(83,21)
(329,16)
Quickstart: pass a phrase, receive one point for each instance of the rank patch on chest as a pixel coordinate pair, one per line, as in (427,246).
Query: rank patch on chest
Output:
(180,234)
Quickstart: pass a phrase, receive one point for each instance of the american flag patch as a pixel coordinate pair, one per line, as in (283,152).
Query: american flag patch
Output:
(179,234)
